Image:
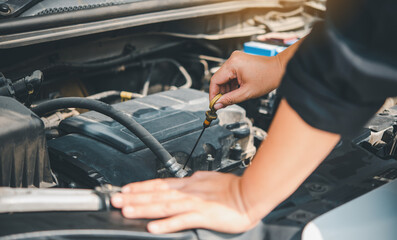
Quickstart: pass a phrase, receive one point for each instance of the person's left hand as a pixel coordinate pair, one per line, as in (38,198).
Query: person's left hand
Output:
(208,200)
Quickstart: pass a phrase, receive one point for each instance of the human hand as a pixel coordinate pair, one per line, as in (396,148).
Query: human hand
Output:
(208,200)
(244,76)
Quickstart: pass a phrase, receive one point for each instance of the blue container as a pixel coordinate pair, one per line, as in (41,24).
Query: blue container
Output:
(262,49)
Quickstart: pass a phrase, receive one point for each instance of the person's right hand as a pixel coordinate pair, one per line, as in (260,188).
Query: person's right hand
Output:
(244,76)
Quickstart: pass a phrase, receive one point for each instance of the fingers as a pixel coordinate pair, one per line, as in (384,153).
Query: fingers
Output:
(199,203)
(203,175)
(227,81)
(230,98)
(126,199)
(177,223)
(225,74)
(155,185)
(159,210)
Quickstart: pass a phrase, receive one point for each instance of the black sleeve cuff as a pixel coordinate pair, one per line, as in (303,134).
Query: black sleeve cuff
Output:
(327,113)
(318,86)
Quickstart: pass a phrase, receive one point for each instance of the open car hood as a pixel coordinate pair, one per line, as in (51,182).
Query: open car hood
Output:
(51,20)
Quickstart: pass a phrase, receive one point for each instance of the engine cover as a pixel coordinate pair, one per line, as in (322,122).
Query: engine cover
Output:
(97,150)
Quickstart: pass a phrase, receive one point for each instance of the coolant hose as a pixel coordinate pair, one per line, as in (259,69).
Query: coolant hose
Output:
(76,102)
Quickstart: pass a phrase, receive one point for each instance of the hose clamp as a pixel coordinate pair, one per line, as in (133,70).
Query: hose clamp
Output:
(175,168)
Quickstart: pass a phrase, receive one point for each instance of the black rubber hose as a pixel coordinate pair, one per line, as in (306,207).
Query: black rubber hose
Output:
(75,102)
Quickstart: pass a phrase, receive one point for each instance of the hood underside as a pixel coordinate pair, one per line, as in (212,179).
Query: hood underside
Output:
(54,20)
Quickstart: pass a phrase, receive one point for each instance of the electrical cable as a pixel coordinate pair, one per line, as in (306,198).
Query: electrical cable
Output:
(105,95)
(145,88)
(102,96)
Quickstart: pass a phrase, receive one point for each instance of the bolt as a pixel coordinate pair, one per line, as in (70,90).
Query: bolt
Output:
(237,146)
(317,188)
(210,160)
(246,162)
(4,8)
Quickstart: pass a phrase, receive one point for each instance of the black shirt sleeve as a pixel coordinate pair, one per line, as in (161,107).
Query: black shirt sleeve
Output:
(346,68)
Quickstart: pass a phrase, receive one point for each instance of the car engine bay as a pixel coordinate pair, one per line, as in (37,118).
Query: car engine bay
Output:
(157,75)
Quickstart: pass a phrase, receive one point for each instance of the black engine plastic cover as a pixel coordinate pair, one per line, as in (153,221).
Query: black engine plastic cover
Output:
(98,150)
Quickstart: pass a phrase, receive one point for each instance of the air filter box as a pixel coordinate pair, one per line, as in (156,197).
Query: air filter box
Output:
(23,155)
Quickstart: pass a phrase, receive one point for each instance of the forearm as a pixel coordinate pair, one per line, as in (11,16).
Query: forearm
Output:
(287,54)
(292,150)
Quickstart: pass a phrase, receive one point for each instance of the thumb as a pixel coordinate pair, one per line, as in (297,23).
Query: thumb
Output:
(230,98)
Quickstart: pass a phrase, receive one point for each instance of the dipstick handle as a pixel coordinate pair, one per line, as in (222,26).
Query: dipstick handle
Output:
(214,100)
(211,114)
